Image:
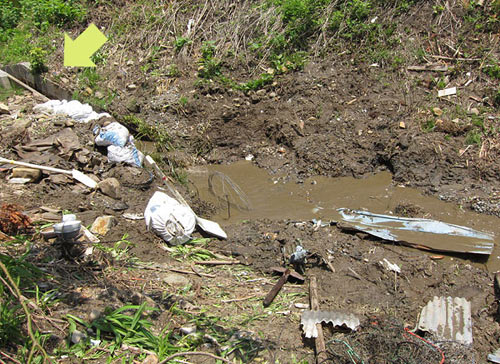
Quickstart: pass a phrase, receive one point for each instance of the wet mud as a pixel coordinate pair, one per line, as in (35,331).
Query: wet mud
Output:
(241,191)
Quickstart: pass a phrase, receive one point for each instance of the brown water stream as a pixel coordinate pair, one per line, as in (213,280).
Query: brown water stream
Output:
(272,197)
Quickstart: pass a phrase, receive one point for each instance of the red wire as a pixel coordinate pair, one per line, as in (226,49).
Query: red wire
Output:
(427,342)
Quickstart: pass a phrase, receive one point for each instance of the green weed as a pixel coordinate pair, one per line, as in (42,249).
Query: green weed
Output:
(429,126)
(144,131)
(6,93)
(180,42)
(38,60)
(473,138)
(120,250)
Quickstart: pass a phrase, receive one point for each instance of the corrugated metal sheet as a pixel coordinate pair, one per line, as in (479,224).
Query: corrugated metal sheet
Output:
(432,234)
(449,318)
(311,318)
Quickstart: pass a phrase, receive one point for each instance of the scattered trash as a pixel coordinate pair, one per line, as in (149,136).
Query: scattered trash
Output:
(19,180)
(112,134)
(390,266)
(277,287)
(169,219)
(311,318)
(82,113)
(208,226)
(419,232)
(495,357)
(130,216)
(299,256)
(79,176)
(301,306)
(449,318)
(127,154)
(447,92)
(102,225)
(69,229)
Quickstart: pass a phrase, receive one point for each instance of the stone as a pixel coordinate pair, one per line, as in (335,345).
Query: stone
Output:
(261,92)
(131,86)
(130,62)
(150,359)
(474,111)
(102,225)
(177,280)
(4,109)
(34,175)
(402,125)
(187,330)
(272,94)
(437,111)
(94,315)
(99,95)
(88,91)
(4,81)
(110,187)
(77,336)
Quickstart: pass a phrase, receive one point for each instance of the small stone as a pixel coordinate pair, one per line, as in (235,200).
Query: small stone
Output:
(130,62)
(89,91)
(150,359)
(110,187)
(77,336)
(64,80)
(249,157)
(261,92)
(94,315)
(437,111)
(272,94)
(174,279)
(187,330)
(474,111)
(281,150)
(4,109)
(402,125)
(131,86)
(99,95)
(102,225)
(34,175)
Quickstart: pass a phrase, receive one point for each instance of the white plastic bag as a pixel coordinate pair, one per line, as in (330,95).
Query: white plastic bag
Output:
(112,134)
(82,113)
(169,219)
(128,154)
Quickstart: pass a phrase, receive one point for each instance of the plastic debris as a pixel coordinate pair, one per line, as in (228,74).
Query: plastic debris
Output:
(169,219)
(447,92)
(112,134)
(69,229)
(431,234)
(449,318)
(390,266)
(494,357)
(299,256)
(311,318)
(127,154)
(82,113)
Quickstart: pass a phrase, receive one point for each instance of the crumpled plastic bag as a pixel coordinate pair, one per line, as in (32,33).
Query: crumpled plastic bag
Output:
(82,113)
(112,134)
(169,219)
(128,154)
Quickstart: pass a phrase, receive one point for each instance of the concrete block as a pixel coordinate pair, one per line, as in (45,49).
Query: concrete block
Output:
(4,81)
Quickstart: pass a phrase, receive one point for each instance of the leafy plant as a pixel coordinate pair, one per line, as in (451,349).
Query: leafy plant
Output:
(38,60)
(180,42)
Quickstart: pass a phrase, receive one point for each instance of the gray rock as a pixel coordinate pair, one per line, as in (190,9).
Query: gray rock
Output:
(175,279)
(77,336)
(4,109)
(110,187)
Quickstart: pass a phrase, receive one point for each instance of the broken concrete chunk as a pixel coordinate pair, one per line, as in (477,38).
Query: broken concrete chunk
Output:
(110,187)
(311,318)
(449,318)
(102,225)
(32,174)
(4,81)
(4,109)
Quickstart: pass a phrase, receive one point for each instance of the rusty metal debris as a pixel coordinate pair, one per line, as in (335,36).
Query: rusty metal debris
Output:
(449,318)
(311,318)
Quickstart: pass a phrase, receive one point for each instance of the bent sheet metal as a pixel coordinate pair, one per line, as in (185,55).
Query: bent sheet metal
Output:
(423,233)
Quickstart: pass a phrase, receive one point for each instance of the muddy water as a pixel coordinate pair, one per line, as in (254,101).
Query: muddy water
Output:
(264,196)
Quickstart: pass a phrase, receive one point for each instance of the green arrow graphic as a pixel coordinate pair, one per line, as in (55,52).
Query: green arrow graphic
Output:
(77,52)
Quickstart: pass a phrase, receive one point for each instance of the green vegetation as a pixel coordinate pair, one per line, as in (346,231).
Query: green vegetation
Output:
(26,27)
(145,131)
